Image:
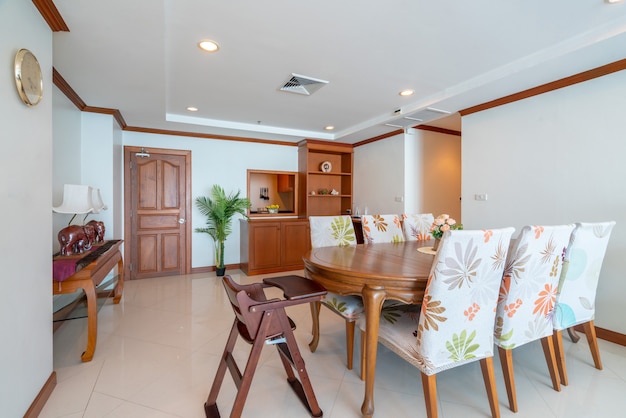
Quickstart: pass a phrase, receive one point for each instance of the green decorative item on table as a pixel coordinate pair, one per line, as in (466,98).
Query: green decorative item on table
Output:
(272,208)
(441,224)
(219,210)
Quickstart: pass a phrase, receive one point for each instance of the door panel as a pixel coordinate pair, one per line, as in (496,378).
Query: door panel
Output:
(157,190)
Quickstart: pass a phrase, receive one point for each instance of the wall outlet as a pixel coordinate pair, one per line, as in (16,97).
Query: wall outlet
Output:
(481,196)
(399,199)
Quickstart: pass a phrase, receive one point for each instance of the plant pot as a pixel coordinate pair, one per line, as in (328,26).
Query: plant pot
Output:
(219,271)
(272,210)
(436,245)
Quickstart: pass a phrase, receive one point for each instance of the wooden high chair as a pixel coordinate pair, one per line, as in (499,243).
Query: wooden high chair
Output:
(261,321)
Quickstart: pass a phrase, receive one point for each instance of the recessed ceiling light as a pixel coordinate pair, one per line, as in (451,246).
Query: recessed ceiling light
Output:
(329,127)
(407,93)
(208,45)
(614,1)
(192,109)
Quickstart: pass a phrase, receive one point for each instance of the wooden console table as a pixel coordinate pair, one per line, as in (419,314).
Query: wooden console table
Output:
(86,271)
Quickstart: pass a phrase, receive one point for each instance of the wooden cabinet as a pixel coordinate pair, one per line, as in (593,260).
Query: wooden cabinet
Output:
(323,168)
(269,246)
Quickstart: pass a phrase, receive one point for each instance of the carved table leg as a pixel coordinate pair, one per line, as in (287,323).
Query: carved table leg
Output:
(119,286)
(315,317)
(92,320)
(373,299)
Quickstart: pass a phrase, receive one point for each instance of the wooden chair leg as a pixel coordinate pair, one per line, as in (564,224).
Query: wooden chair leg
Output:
(572,334)
(590,332)
(315,319)
(559,352)
(210,406)
(350,326)
(548,352)
(291,358)
(429,384)
(506,360)
(363,356)
(486,365)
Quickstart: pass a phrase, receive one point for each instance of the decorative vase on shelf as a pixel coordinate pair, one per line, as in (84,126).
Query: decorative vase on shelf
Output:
(436,244)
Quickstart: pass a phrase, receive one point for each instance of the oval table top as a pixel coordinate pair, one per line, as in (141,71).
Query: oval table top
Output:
(399,268)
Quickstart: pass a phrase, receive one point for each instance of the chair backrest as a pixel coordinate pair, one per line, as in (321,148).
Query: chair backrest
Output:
(241,298)
(581,271)
(529,285)
(416,227)
(382,228)
(456,321)
(331,231)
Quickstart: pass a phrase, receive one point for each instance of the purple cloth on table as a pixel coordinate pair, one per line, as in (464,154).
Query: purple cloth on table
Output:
(62,267)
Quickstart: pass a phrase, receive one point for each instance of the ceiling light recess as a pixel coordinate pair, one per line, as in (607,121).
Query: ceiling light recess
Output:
(405,93)
(302,84)
(208,45)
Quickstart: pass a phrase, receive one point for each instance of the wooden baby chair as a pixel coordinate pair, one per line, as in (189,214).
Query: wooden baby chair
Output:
(259,321)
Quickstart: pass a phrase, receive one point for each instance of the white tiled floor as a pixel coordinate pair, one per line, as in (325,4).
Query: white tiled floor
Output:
(159,348)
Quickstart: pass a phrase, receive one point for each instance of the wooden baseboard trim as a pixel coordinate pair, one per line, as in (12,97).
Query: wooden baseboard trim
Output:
(611,336)
(44,394)
(606,335)
(208,269)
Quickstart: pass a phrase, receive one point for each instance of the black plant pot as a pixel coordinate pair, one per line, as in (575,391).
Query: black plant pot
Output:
(220,271)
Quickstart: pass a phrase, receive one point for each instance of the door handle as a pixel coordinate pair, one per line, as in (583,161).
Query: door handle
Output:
(181,221)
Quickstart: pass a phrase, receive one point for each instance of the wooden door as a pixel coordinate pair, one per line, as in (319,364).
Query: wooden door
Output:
(157,212)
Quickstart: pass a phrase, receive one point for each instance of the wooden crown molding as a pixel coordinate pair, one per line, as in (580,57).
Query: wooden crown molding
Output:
(51,15)
(544,88)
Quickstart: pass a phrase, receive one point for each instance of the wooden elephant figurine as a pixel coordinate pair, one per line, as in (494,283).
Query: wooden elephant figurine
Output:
(99,229)
(74,239)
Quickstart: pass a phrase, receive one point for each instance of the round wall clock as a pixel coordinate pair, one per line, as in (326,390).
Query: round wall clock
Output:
(28,77)
(326,166)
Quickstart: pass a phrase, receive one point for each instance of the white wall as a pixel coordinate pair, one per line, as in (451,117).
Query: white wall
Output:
(218,162)
(26,221)
(422,167)
(66,151)
(552,159)
(378,176)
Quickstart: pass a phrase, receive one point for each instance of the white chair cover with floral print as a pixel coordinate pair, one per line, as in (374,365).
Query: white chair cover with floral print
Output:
(455,325)
(328,231)
(575,300)
(528,296)
(416,227)
(382,228)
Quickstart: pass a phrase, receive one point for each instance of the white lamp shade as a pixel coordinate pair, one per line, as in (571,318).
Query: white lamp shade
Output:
(96,201)
(79,199)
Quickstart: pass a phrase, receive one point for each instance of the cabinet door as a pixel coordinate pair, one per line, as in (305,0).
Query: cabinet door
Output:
(264,246)
(296,241)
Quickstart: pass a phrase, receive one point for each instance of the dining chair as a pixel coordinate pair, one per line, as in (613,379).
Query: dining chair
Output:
(576,295)
(382,228)
(455,325)
(328,231)
(527,298)
(416,227)
(259,322)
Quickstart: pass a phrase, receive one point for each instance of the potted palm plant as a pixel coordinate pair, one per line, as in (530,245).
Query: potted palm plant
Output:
(219,210)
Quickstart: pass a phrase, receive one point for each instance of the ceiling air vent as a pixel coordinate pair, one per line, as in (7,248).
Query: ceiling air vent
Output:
(303,85)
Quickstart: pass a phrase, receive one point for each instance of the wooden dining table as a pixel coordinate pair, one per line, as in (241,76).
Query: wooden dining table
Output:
(375,272)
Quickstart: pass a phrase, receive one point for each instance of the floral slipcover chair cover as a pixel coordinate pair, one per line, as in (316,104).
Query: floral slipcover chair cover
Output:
(575,300)
(382,228)
(528,296)
(416,227)
(455,325)
(329,231)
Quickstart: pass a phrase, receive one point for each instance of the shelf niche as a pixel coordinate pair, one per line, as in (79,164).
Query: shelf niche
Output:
(313,179)
(272,188)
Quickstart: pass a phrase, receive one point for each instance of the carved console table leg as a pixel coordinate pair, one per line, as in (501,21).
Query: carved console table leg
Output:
(92,320)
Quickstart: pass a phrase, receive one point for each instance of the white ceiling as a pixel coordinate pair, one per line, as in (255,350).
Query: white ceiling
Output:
(141,57)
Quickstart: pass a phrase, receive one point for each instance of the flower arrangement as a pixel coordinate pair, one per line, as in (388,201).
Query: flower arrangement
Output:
(442,224)
(272,208)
